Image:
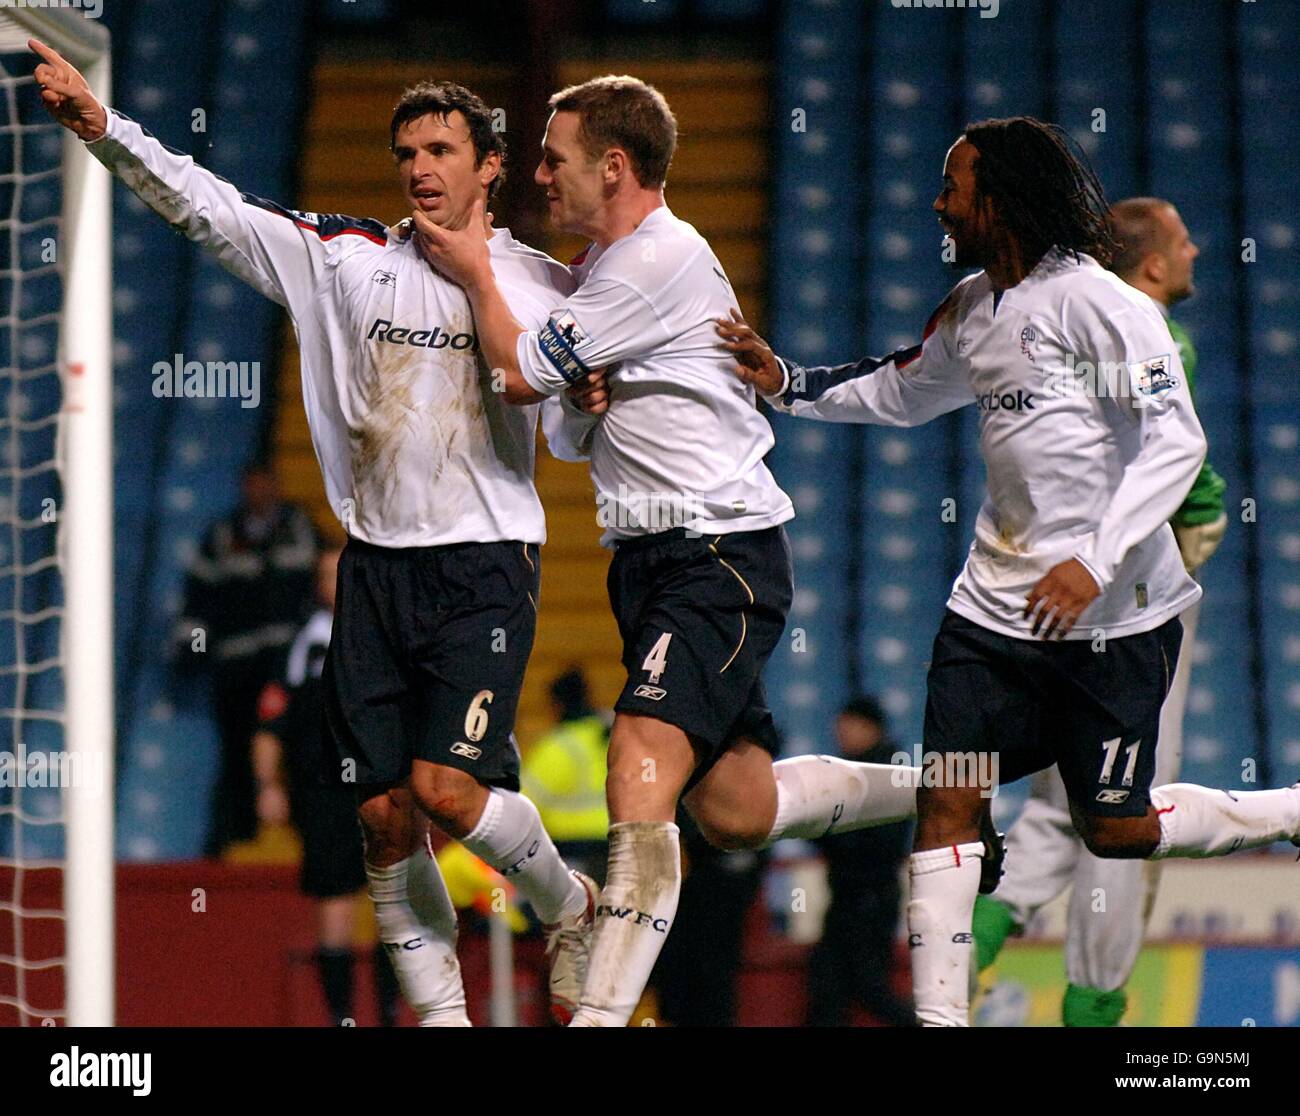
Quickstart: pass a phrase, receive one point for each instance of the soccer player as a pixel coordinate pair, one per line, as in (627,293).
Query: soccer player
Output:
(700,581)
(1156,257)
(432,477)
(1061,635)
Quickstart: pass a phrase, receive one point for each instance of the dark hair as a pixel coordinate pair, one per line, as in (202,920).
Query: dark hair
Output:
(1044,193)
(868,708)
(441,98)
(622,111)
(1138,231)
(569,692)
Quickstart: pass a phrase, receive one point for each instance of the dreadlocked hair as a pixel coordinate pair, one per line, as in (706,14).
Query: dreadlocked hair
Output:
(1043,192)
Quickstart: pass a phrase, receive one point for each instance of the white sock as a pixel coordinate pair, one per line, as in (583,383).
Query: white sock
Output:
(944,885)
(509,837)
(819,795)
(1198,821)
(417,925)
(633,917)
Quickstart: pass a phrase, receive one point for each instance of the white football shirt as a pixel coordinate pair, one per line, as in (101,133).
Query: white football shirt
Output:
(682,443)
(415,446)
(1088,434)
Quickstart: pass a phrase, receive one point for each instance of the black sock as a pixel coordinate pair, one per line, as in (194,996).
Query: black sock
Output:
(387,990)
(335,969)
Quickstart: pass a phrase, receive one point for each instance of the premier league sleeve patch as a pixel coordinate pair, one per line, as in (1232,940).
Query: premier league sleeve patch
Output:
(559,340)
(1152,378)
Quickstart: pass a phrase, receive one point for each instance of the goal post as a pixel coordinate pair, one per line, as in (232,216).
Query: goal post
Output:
(85,522)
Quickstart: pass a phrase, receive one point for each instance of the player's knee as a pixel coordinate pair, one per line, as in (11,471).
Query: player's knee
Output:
(731,835)
(449,797)
(1110,841)
(385,827)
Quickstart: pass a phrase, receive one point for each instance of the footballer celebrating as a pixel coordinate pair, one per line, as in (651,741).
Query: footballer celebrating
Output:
(431,475)
(700,582)
(1156,256)
(1061,635)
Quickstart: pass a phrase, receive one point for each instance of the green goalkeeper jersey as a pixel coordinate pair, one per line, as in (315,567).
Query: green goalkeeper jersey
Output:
(1204,503)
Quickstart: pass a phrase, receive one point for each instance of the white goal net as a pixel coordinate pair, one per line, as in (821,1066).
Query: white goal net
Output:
(56,710)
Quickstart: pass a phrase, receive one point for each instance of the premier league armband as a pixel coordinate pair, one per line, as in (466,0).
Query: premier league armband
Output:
(558,339)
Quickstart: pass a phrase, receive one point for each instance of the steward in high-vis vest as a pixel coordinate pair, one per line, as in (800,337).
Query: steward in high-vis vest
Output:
(564,774)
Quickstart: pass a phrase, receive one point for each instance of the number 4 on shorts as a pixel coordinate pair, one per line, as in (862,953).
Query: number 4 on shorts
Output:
(657,661)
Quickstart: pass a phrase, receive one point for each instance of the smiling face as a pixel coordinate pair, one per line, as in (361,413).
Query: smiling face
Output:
(575,183)
(438,169)
(965,217)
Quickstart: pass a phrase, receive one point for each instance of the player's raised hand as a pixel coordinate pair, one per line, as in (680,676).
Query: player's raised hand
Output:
(1060,598)
(66,94)
(755,362)
(460,252)
(590,394)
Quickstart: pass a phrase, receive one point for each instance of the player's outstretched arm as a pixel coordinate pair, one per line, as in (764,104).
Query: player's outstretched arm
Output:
(66,94)
(276,250)
(871,390)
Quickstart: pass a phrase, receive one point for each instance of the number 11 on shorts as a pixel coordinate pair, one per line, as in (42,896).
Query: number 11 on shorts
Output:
(657,661)
(1111,748)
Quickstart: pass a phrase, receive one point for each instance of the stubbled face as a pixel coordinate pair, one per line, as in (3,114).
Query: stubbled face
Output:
(573,180)
(1178,256)
(436,167)
(966,219)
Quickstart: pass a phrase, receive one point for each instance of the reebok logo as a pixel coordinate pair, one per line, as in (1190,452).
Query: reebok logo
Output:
(1112,797)
(435,338)
(638,918)
(466,750)
(962,938)
(654,693)
(1019,400)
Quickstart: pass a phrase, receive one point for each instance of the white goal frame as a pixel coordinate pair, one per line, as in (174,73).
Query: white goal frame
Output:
(85,542)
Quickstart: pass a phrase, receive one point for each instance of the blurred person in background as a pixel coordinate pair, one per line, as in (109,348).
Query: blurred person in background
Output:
(564,774)
(852,965)
(288,758)
(247,590)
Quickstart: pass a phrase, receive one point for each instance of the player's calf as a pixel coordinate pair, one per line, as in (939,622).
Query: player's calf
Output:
(649,763)
(417,922)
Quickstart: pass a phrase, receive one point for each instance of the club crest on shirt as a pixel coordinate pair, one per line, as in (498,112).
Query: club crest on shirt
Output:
(1028,339)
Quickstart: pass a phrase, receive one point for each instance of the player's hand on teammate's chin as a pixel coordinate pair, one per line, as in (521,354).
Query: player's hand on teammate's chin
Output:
(459,251)
(591,394)
(1060,597)
(66,94)
(755,362)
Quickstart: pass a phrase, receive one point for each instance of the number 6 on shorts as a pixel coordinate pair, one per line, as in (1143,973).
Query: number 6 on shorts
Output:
(476,717)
